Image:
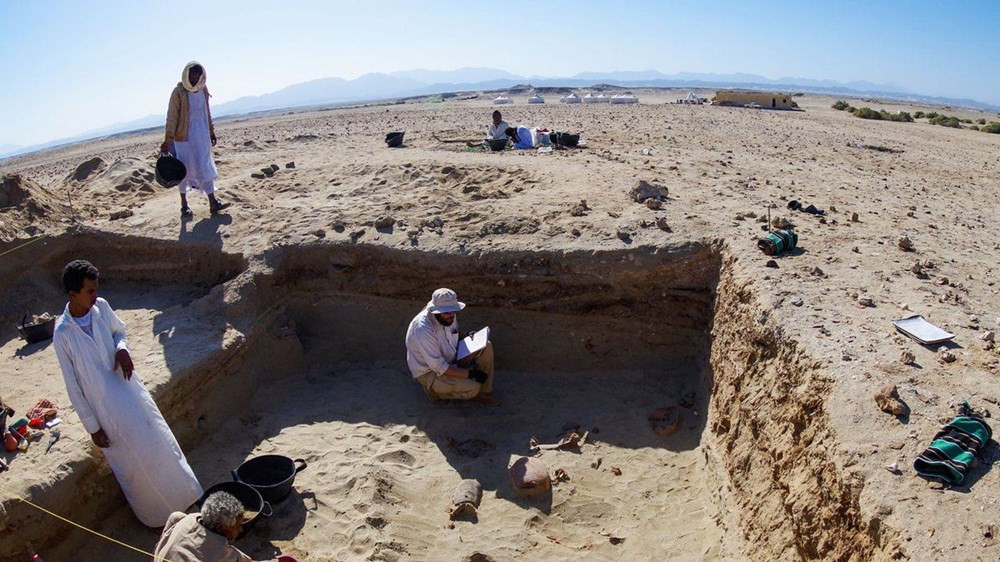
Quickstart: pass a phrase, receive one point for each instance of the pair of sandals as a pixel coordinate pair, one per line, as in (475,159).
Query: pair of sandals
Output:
(213,209)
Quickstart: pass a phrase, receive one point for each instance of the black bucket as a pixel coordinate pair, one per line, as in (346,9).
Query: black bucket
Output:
(34,333)
(566,139)
(497,145)
(271,475)
(394,140)
(169,171)
(247,495)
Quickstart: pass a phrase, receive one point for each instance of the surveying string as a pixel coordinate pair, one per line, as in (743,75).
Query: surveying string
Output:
(61,518)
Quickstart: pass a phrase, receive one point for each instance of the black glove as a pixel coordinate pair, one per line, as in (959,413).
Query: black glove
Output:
(477,375)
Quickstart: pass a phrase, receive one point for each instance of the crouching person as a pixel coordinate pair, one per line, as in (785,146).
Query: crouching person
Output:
(431,350)
(205,536)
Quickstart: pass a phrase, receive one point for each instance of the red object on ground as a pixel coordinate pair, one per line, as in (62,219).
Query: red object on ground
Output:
(286,558)
(36,423)
(23,430)
(9,442)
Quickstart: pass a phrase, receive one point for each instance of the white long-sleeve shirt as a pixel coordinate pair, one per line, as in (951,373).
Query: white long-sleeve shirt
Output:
(430,346)
(497,131)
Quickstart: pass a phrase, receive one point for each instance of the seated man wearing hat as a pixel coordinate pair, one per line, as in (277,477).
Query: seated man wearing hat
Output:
(431,348)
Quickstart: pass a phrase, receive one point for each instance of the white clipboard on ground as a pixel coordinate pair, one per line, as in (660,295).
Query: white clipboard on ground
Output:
(475,342)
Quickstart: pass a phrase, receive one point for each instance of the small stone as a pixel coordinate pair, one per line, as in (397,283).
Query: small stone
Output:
(644,190)
(384,222)
(275,167)
(917,268)
(290,165)
(907,358)
(854,217)
(905,243)
(654,204)
(357,234)
(575,232)
(887,399)
(781,222)
(772,264)
(796,302)
(529,476)
(817,272)
(762,219)
(946,356)
(257,176)
(616,471)
(319,233)
(856,250)
(893,467)
(121,214)
(661,223)
(267,172)
(866,302)
(987,336)
(624,235)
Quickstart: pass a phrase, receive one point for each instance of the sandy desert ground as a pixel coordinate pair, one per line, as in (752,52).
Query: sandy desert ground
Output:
(279,327)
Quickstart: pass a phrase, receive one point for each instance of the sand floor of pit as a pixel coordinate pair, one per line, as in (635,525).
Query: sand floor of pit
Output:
(381,471)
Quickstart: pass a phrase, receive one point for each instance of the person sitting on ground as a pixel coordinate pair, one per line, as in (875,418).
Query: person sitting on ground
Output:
(497,129)
(190,136)
(521,137)
(205,536)
(431,349)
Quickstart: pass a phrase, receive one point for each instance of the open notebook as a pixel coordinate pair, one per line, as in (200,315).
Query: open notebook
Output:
(473,343)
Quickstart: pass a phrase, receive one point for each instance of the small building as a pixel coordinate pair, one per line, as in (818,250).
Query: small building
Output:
(502,100)
(768,100)
(570,98)
(536,99)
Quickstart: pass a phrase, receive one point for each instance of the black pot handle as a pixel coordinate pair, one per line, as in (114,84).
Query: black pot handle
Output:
(24,320)
(299,469)
(266,510)
(236,476)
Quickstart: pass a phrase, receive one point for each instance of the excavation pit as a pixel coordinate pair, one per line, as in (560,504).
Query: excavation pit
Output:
(307,360)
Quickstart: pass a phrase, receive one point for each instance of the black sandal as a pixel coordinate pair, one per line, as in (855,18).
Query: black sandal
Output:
(186,212)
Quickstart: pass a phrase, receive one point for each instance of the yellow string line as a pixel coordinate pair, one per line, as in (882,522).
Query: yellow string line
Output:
(21,246)
(60,517)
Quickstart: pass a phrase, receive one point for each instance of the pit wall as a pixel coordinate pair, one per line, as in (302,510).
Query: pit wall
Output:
(772,438)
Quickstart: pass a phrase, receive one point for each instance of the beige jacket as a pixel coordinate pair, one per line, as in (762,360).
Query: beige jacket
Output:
(185,539)
(177,115)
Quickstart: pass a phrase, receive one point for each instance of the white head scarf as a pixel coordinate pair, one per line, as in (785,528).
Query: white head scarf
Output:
(186,81)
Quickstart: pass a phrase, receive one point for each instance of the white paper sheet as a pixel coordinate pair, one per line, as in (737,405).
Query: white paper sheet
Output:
(473,343)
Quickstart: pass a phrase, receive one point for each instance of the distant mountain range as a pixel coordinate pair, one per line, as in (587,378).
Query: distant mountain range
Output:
(420,82)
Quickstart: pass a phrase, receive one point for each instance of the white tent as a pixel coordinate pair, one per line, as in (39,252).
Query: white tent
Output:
(601,98)
(624,98)
(570,98)
(693,98)
(590,98)
(536,99)
(502,100)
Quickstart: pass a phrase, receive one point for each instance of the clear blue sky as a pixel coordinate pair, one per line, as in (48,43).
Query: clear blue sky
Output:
(70,67)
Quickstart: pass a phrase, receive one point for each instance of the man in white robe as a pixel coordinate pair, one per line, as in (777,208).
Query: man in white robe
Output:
(190,135)
(115,407)
(498,128)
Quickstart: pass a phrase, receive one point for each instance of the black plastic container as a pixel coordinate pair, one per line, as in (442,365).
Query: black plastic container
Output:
(270,475)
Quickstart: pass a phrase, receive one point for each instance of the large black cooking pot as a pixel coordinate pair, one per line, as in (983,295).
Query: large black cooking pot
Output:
(271,475)
(249,497)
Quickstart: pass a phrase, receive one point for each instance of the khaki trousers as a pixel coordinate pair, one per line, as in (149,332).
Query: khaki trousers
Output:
(441,387)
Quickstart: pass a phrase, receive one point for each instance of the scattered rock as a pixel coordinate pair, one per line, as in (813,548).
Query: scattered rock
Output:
(772,264)
(887,399)
(624,235)
(580,209)
(257,176)
(856,250)
(905,243)
(529,476)
(575,232)
(267,172)
(907,358)
(357,234)
(290,165)
(665,421)
(616,471)
(781,222)
(319,233)
(865,302)
(645,190)
(384,222)
(946,355)
(275,167)
(817,272)
(797,301)
(893,468)
(661,223)
(121,214)
(654,204)
(855,218)
(987,336)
